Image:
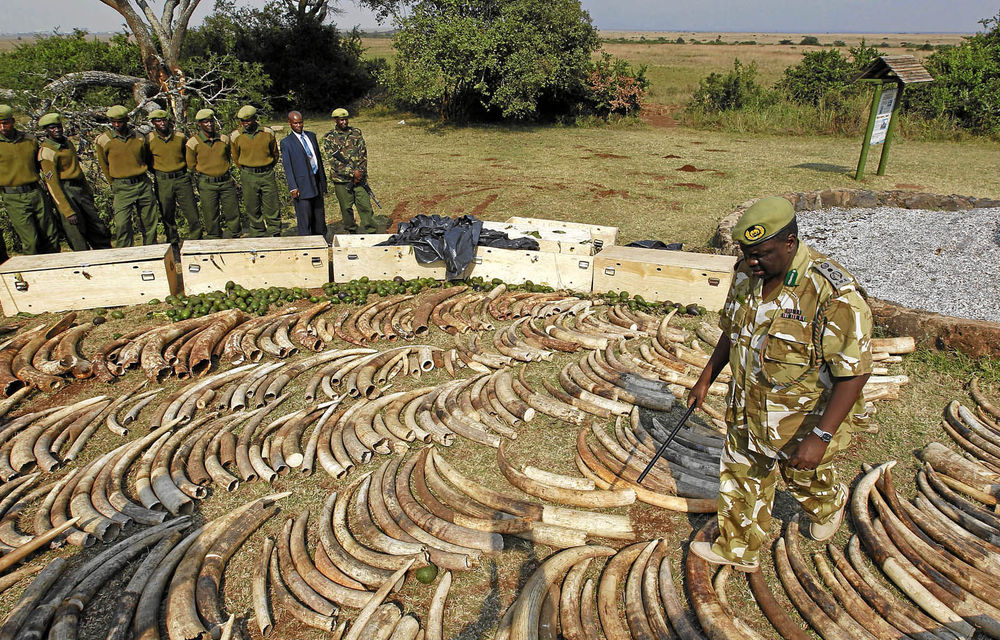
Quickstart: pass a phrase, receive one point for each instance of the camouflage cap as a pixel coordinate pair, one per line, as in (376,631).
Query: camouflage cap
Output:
(50,118)
(6,112)
(340,112)
(158,113)
(204,114)
(246,112)
(763,220)
(117,112)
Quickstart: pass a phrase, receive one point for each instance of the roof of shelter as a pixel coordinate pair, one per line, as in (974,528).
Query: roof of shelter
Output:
(906,69)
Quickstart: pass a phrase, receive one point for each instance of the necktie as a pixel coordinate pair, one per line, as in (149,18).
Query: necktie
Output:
(309,153)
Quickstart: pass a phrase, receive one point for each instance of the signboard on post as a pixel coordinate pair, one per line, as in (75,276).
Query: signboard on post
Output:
(886,104)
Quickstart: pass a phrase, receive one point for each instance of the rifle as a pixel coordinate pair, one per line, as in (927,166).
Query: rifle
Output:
(364,185)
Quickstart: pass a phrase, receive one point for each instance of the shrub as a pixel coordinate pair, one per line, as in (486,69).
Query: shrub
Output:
(810,41)
(785,41)
(510,59)
(614,87)
(818,73)
(736,89)
(679,40)
(839,43)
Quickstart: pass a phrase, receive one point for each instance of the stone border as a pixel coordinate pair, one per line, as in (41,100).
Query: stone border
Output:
(973,337)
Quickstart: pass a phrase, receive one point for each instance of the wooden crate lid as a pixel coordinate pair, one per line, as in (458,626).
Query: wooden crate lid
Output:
(247,245)
(569,235)
(562,224)
(76,259)
(341,241)
(660,257)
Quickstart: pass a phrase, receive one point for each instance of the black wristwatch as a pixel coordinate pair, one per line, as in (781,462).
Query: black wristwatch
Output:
(825,436)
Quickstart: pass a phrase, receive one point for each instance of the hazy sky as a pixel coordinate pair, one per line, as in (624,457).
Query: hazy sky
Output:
(783,16)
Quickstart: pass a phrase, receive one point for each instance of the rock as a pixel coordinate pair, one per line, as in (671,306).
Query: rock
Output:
(976,338)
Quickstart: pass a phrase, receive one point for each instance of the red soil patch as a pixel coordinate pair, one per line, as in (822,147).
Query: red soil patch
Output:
(399,214)
(721,174)
(658,115)
(690,168)
(490,159)
(691,185)
(481,208)
(668,157)
(607,193)
(903,185)
(610,156)
(697,143)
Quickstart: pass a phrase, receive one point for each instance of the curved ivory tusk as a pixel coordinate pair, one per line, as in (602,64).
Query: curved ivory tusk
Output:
(527,607)
(261,601)
(435,613)
(320,583)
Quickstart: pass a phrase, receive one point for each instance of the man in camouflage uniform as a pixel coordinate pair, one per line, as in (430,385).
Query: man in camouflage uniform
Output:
(255,152)
(345,146)
(796,334)
(68,187)
(124,159)
(172,181)
(19,190)
(207,157)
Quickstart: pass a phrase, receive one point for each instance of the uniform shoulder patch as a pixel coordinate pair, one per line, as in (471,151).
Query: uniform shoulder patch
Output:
(192,143)
(837,276)
(102,139)
(269,130)
(226,138)
(47,153)
(232,136)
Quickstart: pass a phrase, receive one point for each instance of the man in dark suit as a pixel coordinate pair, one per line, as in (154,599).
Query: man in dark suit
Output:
(305,176)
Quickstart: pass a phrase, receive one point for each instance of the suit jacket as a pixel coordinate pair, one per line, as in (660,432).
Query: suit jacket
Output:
(298,173)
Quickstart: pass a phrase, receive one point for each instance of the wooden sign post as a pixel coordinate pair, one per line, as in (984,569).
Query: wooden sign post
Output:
(890,74)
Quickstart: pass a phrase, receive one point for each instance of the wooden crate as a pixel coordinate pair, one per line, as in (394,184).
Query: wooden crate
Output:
(678,276)
(354,256)
(294,261)
(601,236)
(557,270)
(574,241)
(88,279)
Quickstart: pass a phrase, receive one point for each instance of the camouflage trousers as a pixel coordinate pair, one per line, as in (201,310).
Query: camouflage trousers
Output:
(747,484)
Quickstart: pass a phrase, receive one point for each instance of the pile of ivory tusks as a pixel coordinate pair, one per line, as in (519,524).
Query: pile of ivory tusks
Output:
(560,598)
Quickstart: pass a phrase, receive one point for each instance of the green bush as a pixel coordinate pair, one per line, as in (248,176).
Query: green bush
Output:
(492,59)
(737,89)
(31,65)
(810,41)
(818,73)
(966,87)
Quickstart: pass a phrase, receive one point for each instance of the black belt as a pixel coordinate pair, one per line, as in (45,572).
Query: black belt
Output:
(171,175)
(132,180)
(258,169)
(208,178)
(24,188)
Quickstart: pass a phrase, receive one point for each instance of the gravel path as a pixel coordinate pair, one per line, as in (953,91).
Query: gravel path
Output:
(942,261)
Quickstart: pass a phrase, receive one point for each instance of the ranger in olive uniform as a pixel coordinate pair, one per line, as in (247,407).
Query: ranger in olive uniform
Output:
(68,186)
(207,156)
(20,192)
(255,152)
(124,159)
(796,334)
(348,162)
(173,183)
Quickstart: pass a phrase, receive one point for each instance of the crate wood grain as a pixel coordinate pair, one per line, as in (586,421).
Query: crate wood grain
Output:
(678,276)
(295,261)
(87,279)
(601,236)
(355,256)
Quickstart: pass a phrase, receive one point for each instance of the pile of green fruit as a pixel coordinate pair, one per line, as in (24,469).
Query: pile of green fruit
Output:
(253,301)
(638,303)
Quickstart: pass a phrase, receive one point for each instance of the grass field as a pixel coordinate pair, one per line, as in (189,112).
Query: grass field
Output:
(652,180)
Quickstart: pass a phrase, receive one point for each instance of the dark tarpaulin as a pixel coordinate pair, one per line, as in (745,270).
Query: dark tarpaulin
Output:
(656,244)
(453,240)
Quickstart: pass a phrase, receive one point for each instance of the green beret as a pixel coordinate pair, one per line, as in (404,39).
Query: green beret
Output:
(763,220)
(204,114)
(50,118)
(340,113)
(6,112)
(246,112)
(158,113)
(117,112)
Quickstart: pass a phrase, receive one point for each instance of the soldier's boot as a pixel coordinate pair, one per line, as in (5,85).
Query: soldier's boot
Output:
(826,531)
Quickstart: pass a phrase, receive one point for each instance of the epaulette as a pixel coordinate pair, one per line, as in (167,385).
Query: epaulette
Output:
(270,130)
(192,143)
(45,152)
(832,272)
(232,136)
(103,139)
